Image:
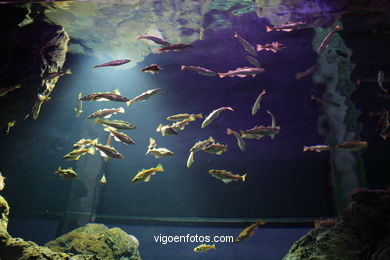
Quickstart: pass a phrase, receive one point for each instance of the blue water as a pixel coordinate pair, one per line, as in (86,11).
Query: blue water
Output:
(283,182)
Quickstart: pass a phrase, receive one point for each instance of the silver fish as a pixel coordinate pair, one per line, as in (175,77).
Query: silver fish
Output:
(213,115)
(242,72)
(249,48)
(256,106)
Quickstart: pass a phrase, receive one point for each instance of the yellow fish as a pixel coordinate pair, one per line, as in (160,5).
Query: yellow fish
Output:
(203,248)
(66,173)
(249,231)
(103,180)
(145,175)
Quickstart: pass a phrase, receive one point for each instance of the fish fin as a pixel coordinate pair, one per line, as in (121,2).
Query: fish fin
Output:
(91,151)
(287,30)
(116,91)
(274,51)
(77,157)
(211,139)
(243,177)
(116,139)
(259,47)
(97,121)
(159,167)
(260,222)
(147,179)
(95,141)
(103,154)
(222,75)
(229,131)
(219,152)
(105,159)
(80,95)
(229,108)
(121,110)
(269,29)
(108,116)
(68,71)
(240,75)
(183,67)
(226,181)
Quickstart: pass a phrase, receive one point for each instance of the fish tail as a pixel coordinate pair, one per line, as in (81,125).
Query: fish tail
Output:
(18,86)
(211,139)
(183,67)
(128,103)
(260,222)
(231,109)
(139,37)
(200,116)
(96,66)
(229,131)
(259,47)
(243,177)
(80,95)
(159,128)
(269,29)
(159,167)
(95,141)
(306,148)
(213,246)
(298,75)
(121,110)
(68,71)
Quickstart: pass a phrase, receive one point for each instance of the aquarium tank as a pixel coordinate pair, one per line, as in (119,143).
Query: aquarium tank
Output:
(196,129)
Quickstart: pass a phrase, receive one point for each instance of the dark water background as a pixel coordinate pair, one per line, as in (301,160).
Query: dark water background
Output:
(282,182)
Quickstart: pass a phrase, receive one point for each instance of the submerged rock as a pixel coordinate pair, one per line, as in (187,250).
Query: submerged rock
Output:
(99,240)
(363,232)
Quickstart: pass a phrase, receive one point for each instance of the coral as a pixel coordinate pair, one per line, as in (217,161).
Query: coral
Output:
(4,211)
(99,240)
(363,232)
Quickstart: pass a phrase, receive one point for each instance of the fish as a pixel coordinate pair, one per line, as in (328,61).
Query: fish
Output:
(144,96)
(175,47)
(118,136)
(79,107)
(248,231)
(106,113)
(181,124)
(56,74)
(68,173)
(112,63)
(118,124)
(286,27)
(327,39)
(84,143)
(307,72)
(204,248)
(166,130)
(157,152)
(180,117)
(200,145)
(226,176)
(5,91)
(256,105)
(253,61)
(190,159)
(103,180)
(274,47)
(200,70)
(108,96)
(381,79)
(37,107)
(317,148)
(108,151)
(242,72)
(153,69)
(213,115)
(247,46)
(383,124)
(240,140)
(10,124)
(154,39)
(352,145)
(2,182)
(216,148)
(77,153)
(273,123)
(145,175)
(325,102)
(258,132)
